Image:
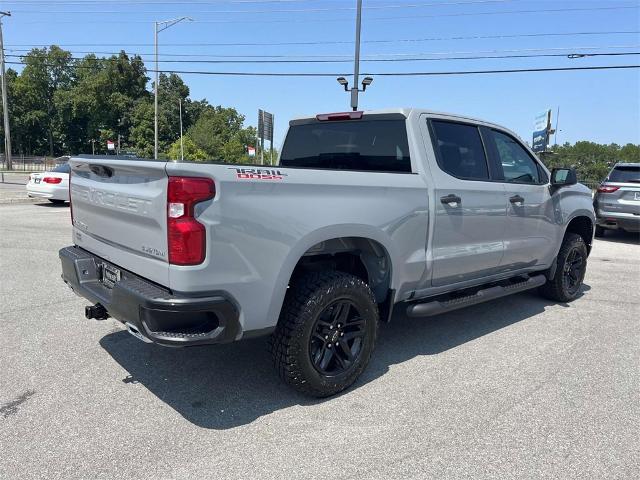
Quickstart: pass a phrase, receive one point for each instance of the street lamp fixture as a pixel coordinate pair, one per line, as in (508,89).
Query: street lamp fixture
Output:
(366,81)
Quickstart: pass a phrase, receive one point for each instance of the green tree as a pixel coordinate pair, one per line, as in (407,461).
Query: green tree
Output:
(32,99)
(191,150)
(219,131)
(591,160)
(102,104)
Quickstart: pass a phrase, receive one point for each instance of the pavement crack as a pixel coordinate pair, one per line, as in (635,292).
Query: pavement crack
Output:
(11,408)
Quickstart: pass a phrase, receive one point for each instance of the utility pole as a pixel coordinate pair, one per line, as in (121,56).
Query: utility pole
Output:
(356,63)
(157,28)
(181,143)
(5,104)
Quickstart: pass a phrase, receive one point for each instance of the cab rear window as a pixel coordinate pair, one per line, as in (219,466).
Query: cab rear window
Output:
(367,145)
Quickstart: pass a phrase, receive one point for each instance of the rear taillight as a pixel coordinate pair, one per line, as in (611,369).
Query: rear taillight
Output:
(607,189)
(54,180)
(187,237)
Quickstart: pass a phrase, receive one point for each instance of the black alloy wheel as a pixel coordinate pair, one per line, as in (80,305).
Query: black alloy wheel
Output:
(337,340)
(326,332)
(566,283)
(573,271)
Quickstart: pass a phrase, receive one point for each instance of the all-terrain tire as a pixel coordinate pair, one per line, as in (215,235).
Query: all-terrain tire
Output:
(566,283)
(309,300)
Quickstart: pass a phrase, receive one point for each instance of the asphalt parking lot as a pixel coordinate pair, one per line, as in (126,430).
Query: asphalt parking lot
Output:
(515,388)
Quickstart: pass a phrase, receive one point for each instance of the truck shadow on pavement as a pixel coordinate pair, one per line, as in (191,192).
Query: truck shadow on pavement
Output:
(619,236)
(226,386)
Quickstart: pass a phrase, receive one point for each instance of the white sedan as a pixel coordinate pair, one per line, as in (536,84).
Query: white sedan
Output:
(53,185)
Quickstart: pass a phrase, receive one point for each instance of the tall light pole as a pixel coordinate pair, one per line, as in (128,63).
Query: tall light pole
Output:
(356,57)
(366,81)
(157,28)
(181,143)
(5,105)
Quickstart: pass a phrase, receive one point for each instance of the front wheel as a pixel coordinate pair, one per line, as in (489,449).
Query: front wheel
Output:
(326,332)
(570,270)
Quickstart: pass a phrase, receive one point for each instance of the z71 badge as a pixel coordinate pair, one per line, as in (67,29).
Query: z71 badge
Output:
(258,174)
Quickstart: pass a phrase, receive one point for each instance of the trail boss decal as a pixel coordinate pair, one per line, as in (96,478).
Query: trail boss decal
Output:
(258,174)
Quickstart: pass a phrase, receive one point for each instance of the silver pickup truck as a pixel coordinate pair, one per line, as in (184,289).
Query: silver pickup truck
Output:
(365,213)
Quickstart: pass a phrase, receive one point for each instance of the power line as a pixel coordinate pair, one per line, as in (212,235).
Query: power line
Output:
(370,19)
(212,56)
(381,74)
(288,10)
(406,59)
(150,2)
(339,42)
(173,2)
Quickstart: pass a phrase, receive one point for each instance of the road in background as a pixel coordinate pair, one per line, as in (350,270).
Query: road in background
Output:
(12,188)
(518,387)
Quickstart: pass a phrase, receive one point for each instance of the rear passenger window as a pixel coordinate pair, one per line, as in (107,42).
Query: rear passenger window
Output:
(517,164)
(459,150)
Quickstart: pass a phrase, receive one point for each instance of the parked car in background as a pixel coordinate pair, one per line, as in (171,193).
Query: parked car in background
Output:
(52,185)
(617,201)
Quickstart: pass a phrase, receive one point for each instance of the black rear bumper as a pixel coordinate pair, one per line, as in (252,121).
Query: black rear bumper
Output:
(159,315)
(629,224)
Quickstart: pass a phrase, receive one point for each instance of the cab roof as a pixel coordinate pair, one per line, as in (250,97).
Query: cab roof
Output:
(406,112)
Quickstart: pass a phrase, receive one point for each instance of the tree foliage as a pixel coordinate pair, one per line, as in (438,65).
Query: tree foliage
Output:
(591,160)
(61,105)
(191,151)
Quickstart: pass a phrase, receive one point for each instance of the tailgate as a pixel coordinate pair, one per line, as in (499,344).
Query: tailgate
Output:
(119,213)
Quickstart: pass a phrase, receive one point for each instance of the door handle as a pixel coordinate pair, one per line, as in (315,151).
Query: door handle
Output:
(517,200)
(451,200)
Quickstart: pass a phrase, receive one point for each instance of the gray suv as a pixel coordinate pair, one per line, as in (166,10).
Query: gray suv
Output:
(617,201)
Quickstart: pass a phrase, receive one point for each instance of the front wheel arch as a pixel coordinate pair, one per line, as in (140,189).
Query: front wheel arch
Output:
(584,226)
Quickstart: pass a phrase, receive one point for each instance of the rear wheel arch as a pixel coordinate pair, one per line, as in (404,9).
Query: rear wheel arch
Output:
(363,257)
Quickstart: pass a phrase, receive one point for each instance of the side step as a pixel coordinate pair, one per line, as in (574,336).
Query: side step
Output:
(436,307)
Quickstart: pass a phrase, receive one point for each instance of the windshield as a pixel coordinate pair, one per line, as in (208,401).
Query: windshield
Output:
(624,174)
(370,145)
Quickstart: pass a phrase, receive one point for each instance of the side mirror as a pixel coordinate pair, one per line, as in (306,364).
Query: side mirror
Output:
(562,177)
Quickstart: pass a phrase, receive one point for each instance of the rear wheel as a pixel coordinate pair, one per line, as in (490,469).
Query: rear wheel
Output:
(600,231)
(571,267)
(56,202)
(326,332)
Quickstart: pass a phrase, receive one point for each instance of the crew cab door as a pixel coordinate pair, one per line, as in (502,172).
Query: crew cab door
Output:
(531,235)
(470,209)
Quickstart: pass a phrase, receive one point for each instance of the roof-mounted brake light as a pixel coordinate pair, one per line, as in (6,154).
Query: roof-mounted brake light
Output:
(328,117)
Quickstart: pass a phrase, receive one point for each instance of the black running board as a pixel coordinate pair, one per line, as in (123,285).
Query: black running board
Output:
(435,307)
